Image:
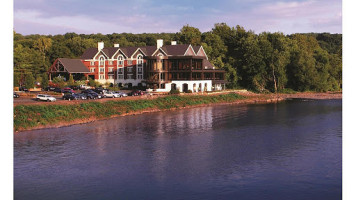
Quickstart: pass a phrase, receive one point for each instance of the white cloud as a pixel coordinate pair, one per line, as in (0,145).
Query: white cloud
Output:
(82,23)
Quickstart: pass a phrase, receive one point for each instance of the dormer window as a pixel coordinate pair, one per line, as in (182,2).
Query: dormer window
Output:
(101,61)
(139,59)
(120,60)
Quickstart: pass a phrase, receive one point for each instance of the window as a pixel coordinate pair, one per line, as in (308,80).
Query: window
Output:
(120,59)
(139,76)
(120,77)
(129,69)
(163,86)
(92,69)
(111,76)
(102,76)
(139,70)
(139,60)
(111,69)
(120,70)
(129,62)
(110,62)
(129,76)
(101,61)
(92,63)
(102,69)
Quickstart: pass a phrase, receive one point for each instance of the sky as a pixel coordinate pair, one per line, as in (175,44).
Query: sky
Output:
(148,16)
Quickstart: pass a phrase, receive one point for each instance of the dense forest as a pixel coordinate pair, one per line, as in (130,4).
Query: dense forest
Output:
(265,62)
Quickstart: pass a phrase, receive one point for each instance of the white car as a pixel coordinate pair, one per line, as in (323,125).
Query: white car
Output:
(45,97)
(122,94)
(112,94)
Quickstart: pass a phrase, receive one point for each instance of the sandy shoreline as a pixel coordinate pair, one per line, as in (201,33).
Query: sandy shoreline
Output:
(252,98)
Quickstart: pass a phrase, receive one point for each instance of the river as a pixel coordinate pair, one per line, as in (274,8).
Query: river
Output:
(288,150)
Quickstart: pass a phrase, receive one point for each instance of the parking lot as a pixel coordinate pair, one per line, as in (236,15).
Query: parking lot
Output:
(30,98)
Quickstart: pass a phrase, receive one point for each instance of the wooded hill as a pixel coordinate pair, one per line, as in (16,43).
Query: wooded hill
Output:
(265,62)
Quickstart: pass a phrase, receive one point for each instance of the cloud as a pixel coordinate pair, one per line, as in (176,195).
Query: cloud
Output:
(80,23)
(138,16)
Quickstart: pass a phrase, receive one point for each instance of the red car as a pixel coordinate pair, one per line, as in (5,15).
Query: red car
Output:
(67,90)
(136,93)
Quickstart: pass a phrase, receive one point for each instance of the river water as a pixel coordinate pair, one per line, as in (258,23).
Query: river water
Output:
(290,150)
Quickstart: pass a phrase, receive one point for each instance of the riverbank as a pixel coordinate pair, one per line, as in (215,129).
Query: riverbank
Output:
(47,115)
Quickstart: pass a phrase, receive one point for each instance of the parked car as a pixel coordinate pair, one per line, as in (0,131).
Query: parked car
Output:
(122,94)
(49,88)
(73,87)
(22,88)
(82,96)
(101,91)
(91,94)
(16,95)
(45,97)
(84,87)
(67,89)
(70,96)
(59,90)
(112,94)
(136,93)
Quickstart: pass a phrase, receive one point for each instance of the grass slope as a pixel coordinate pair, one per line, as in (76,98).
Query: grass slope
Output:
(30,116)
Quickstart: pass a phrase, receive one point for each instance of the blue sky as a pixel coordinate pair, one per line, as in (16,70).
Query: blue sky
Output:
(140,16)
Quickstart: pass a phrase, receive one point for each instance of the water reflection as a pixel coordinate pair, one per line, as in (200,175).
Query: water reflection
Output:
(207,152)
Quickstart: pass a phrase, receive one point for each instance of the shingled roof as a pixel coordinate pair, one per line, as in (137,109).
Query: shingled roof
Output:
(89,53)
(175,50)
(207,64)
(171,50)
(196,49)
(73,65)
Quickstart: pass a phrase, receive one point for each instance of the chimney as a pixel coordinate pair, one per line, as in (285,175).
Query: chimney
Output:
(100,46)
(173,42)
(116,45)
(159,43)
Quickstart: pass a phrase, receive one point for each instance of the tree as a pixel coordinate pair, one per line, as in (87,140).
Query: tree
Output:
(190,35)
(59,80)
(29,81)
(44,81)
(70,80)
(17,77)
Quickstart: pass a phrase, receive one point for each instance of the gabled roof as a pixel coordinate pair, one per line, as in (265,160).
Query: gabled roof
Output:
(196,49)
(207,64)
(89,53)
(148,50)
(110,51)
(171,50)
(73,65)
(128,51)
(175,50)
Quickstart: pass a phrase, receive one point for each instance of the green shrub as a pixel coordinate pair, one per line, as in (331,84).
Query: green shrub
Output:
(173,91)
(287,91)
(189,91)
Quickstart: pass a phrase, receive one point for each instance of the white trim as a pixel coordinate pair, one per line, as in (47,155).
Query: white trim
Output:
(138,49)
(201,47)
(161,50)
(123,60)
(187,50)
(121,53)
(139,66)
(99,56)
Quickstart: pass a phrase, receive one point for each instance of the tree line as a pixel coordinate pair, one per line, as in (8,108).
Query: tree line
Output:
(265,62)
